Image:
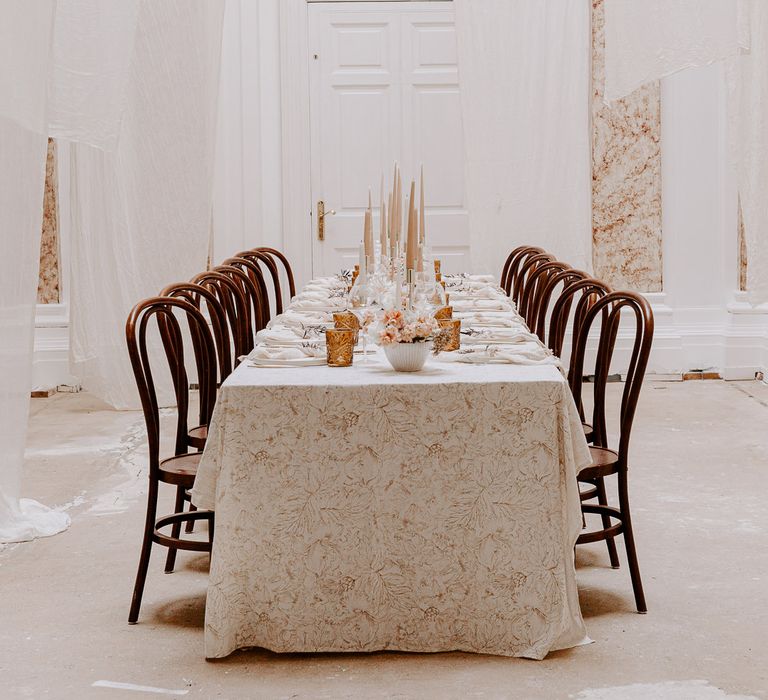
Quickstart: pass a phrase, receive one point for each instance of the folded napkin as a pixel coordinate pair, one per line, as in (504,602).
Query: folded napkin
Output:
(323,304)
(300,321)
(523,354)
(479,293)
(282,335)
(488,319)
(509,336)
(476,304)
(263,352)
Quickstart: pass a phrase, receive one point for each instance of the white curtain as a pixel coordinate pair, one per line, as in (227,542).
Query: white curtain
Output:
(649,39)
(25,49)
(134,84)
(142,212)
(747,78)
(525,91)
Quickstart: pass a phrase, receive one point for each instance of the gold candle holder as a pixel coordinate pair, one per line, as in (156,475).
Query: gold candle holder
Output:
(447,299)
(453,325)
(438,277)
(346,319)
(340,346)
(437,267)
(444,313)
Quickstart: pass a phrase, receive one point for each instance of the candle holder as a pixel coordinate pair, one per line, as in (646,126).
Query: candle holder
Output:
(340,346)
(346,319)
(437,269)
(453,326)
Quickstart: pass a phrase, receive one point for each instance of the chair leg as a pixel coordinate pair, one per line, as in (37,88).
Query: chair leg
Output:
(602,499)
(190,526)
(146,551)
(629,543)
(170,560)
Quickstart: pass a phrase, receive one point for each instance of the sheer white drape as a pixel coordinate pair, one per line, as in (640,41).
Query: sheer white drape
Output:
(524,70)
(142,212)
(25,49)
(134,84)
(747,78)
(644,41)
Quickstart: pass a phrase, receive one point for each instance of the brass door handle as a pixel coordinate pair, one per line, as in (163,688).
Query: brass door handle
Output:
(321,214)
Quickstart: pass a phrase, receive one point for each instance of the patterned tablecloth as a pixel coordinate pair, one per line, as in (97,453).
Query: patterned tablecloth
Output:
(360,509)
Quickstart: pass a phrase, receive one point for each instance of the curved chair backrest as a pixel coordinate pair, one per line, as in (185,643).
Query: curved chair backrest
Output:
(531,294)
(544,293)
(611,306)
(195,294)
(288,271)
(588,291)
(163,310)
(252,321)
(256,257)
(236,304)
(253,271)
(528,267)
(513,263)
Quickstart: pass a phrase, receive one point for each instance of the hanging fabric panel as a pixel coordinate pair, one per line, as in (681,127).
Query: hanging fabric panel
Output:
(645,41)
(524,68)
(25,41)
(747,78)
(142,213)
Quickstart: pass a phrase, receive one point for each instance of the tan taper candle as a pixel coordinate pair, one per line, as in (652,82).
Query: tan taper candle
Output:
(411,250)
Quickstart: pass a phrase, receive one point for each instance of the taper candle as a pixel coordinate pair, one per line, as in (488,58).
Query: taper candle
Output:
(422,228)
(411,243)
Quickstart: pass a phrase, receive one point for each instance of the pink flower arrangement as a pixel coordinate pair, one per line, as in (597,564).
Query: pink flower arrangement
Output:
(406,327)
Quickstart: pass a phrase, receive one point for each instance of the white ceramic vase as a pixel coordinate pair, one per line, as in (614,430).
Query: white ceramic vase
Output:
(407,357)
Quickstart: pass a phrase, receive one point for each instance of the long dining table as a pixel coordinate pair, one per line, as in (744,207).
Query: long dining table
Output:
(363,509)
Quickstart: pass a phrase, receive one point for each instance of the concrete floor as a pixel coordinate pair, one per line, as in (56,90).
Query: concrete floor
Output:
(699,477)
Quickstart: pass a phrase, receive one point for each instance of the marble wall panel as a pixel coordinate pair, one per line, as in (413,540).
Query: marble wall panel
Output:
(626,179)
(48,284)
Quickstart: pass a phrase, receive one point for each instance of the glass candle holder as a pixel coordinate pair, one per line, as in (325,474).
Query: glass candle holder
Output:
(453,325)
(346,319)
(444,313)
(340,346)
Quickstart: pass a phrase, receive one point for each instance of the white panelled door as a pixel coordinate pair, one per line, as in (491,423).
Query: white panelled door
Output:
(384,87)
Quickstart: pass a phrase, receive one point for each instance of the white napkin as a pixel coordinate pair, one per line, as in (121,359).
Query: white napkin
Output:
(522,354)
(510,336)
(300,321)
(282,336)
(314,305)
(476,304)
(263,352)
(488,319)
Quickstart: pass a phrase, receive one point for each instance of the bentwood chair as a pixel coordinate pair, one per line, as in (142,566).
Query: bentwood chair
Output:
(531,264)
(236,305)
(259,258)
(257,290)
(585,292)
(605,460)
(512,264)
(286,265)
(180,469)
(530,298)
(545,293)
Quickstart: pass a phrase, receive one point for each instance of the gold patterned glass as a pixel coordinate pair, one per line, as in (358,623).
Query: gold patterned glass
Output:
(346,319)
(340,345)
(454,326)
(446,312)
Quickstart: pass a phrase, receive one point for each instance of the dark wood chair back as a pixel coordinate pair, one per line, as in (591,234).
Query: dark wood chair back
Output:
(236,305)
(513,263)
(529,265)
(546,291)
(166,312)
(610,308)
(288,271)
(255,289)
(530,298)
(259,258)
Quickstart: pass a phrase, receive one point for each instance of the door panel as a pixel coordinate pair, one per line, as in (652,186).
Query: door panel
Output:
(384,87)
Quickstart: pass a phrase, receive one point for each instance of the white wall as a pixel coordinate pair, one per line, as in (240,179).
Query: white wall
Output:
(701,320)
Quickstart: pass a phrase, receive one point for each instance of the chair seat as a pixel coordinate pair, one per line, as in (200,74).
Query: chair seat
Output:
(197,436)
(589,431)
(181,469)
(604,463)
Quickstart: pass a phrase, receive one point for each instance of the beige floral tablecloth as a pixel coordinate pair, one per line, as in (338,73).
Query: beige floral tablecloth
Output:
(359,509)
